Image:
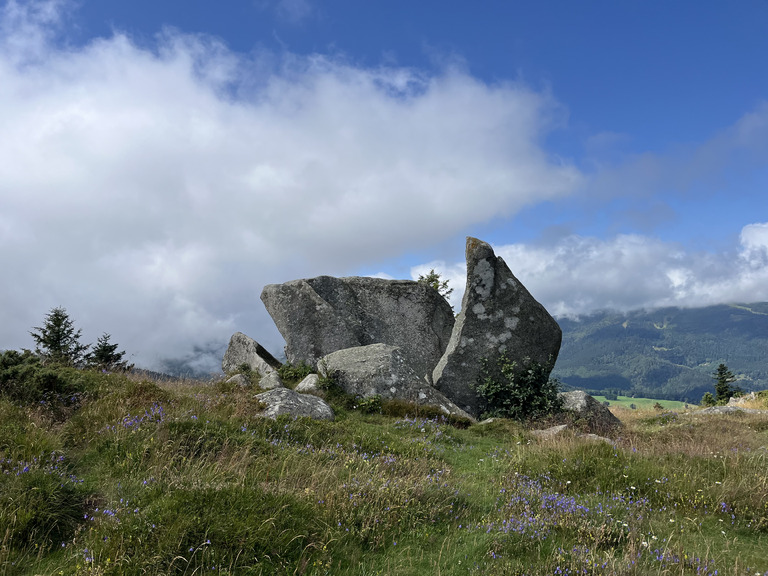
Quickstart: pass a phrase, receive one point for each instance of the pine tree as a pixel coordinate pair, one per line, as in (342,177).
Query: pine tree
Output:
(105,356)
(58,341)
(723,389)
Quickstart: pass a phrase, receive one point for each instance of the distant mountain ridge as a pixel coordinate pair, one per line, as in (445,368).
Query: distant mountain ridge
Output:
(665,353)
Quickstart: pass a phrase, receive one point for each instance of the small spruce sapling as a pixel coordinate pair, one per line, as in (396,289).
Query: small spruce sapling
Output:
(105,356)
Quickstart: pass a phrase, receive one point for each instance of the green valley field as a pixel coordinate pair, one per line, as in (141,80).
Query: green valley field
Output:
(110,474)
(643,403)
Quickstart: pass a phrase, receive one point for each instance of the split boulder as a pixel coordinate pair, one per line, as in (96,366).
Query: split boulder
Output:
(498,315)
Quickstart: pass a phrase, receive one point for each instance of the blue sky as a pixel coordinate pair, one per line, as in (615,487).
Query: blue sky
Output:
(162,161)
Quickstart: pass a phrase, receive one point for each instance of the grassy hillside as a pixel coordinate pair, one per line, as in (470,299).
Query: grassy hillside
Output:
(667,353)
(104,474)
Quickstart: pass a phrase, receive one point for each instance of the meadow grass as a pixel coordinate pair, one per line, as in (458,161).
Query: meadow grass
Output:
(183,477)
(642,403)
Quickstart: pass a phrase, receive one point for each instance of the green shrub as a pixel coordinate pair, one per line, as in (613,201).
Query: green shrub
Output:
(370,405)
(294,373)
(24,379)
(508,390)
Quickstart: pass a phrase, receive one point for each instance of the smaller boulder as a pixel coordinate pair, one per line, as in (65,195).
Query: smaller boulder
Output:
(309,384)
(554,431)
(722,410)
(239,380)
(270,381)
(383,370)
(286,401)
(245,350)
(550,432)
(595,416)
(737,401)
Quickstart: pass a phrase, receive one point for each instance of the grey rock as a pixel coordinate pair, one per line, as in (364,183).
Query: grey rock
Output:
(729,410)
(734,401)
(591,413)
(550,432)
(597,438)
(239,380)
(325,314)
(286,401)
(557,430)
(381,369)
(270,381)
(309,384)
(497,315)
(245,350)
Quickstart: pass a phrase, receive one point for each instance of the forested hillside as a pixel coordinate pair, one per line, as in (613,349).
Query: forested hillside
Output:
(666,353)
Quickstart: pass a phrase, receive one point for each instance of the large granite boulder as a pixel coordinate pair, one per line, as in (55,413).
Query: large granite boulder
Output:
(286,401)
(592,416)
(497,315)
(245,350)
(325,314)
(383,370)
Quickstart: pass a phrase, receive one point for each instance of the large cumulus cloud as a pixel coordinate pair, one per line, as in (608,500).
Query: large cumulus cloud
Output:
(154,189)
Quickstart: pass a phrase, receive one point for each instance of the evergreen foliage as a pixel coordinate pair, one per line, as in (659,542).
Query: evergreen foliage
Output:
(57,340)
(26,380)
(723,389)
(508,390)
(433,279)
(708,399)
(105,356)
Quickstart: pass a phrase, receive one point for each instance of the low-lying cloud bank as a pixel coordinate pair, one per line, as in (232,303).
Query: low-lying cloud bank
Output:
(579,275)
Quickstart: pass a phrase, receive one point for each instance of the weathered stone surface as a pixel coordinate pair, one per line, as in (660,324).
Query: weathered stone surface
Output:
(309,384)
(737,401)
(245,350)
(286,401)
(381,369)
(554,431)
(596,416)
(239,380)
(497,315)
(723,410)
(325,314)
(270,381)
(551,431)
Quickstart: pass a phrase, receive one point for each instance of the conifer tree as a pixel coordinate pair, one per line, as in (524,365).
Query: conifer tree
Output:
(105,356)
(57,340)
(723,389)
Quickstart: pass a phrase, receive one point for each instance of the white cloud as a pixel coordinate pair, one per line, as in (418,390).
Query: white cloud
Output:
(294,10)
(154,191)
(579,275)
